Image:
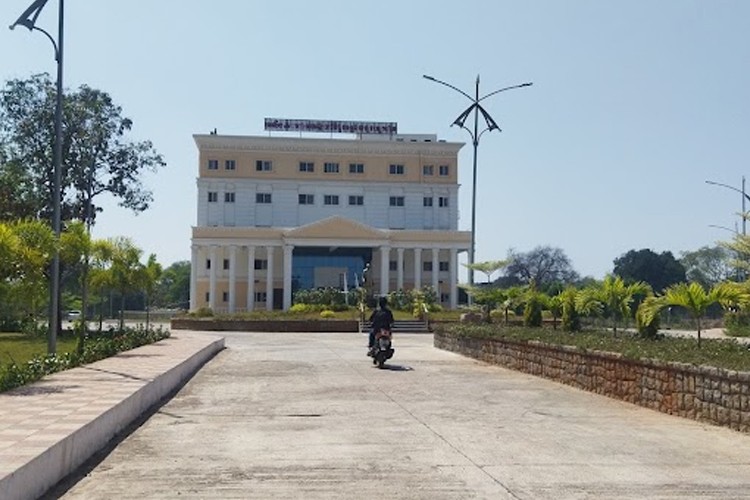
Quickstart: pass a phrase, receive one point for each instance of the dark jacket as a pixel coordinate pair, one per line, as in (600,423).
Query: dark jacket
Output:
(382,318)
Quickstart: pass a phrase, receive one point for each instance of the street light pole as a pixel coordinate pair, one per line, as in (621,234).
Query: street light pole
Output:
(28,20)
(475,135)
(745,197)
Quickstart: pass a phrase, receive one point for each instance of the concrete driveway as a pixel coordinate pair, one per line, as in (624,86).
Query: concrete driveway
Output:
(295,415)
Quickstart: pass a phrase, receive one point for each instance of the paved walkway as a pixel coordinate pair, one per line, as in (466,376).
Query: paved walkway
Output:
(49,428)
(300,415)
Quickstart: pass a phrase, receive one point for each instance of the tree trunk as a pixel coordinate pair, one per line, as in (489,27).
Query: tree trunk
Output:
(84,306)
(698,322)
(122,312)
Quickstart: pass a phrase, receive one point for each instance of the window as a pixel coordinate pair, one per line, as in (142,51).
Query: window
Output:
(213,196)
(397,169)
(331,168)
(443,170)
(393,265)
(261,264)
(228,197)
(225,296)
(444,297)
(226,264)
(443,201)
(427,201)
(397,201)
(427,169)
(208,297)
(208,263)
(306,166)
(444,266)
(213,164)
(356,200)
(306,199)
(427,265)
(356,168)
(262,197)
(230,165)
(263,165)
(331,199)
(260,296)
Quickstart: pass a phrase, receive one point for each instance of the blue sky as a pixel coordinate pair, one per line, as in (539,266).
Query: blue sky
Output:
(634,104)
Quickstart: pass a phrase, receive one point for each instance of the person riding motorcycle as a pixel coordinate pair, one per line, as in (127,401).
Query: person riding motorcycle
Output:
(381,318)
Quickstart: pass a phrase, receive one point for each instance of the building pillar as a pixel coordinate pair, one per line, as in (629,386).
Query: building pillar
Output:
(250,278)
(232,278)
(400,268)
(436,272)
(417,268)
(212,278)
(288,249)
(385,254)
(269,278)
(193,277)
(453,267)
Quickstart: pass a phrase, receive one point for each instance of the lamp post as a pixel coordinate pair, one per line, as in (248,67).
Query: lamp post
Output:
(28,20)
(745,197)
(476,134)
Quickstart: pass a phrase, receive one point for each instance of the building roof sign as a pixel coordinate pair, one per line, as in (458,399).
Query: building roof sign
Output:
(330,126)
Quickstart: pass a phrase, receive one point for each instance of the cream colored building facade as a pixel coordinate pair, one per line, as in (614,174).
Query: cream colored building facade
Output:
(277,214)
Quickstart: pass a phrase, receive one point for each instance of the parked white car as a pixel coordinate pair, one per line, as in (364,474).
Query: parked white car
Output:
(73,315)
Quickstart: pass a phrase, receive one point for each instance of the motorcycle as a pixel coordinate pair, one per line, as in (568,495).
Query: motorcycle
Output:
(383,349)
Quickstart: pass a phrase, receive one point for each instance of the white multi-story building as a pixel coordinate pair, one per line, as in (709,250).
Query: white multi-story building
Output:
(277,214)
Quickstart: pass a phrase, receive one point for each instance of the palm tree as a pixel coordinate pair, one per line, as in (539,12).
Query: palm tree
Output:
(612,296)
(151,274)
(694,298)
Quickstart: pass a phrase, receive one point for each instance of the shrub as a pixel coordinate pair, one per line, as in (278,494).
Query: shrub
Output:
(532,312)
(737,323)
(203,312)
(327,313)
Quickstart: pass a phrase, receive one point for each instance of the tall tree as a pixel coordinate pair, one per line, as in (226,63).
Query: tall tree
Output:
(97,155)
(174,286)
(544,266)
(658,270)
(708,266)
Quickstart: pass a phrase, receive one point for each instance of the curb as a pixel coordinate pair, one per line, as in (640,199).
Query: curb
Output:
(58,460)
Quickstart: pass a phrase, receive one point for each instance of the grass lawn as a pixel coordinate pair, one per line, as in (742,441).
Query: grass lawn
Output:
(21,347)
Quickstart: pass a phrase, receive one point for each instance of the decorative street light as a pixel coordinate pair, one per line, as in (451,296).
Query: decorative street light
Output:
(490,125)
(28,20)
(745,197)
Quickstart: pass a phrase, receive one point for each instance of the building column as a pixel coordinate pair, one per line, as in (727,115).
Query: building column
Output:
(250,278)
(212,278)
(232,278)
(453,267)
(385,254)
(193,277)
(269,278)
(400,268)
(417,268)
(436,272)
(288,249)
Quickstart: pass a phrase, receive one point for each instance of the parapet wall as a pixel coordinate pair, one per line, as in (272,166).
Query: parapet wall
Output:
(706,394)
(228,325)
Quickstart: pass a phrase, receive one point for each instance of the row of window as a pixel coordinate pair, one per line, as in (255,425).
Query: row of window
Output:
(262,264)
(262,297)
(328,199)
(330,167)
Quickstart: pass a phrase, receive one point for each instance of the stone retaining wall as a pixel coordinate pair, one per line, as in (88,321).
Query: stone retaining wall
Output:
(706,394)
(215,325)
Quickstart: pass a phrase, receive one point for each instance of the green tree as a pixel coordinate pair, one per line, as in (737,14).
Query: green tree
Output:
(696,300)
(97,156)
(658,270)
(174,286)
(571,319)
(152,272)
(708,266)
(612,297)
(126,271)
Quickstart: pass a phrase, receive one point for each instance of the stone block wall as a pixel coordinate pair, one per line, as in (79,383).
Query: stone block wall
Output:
(706,394)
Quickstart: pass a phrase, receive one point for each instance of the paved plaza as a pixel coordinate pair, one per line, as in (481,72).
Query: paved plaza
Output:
(301,415)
